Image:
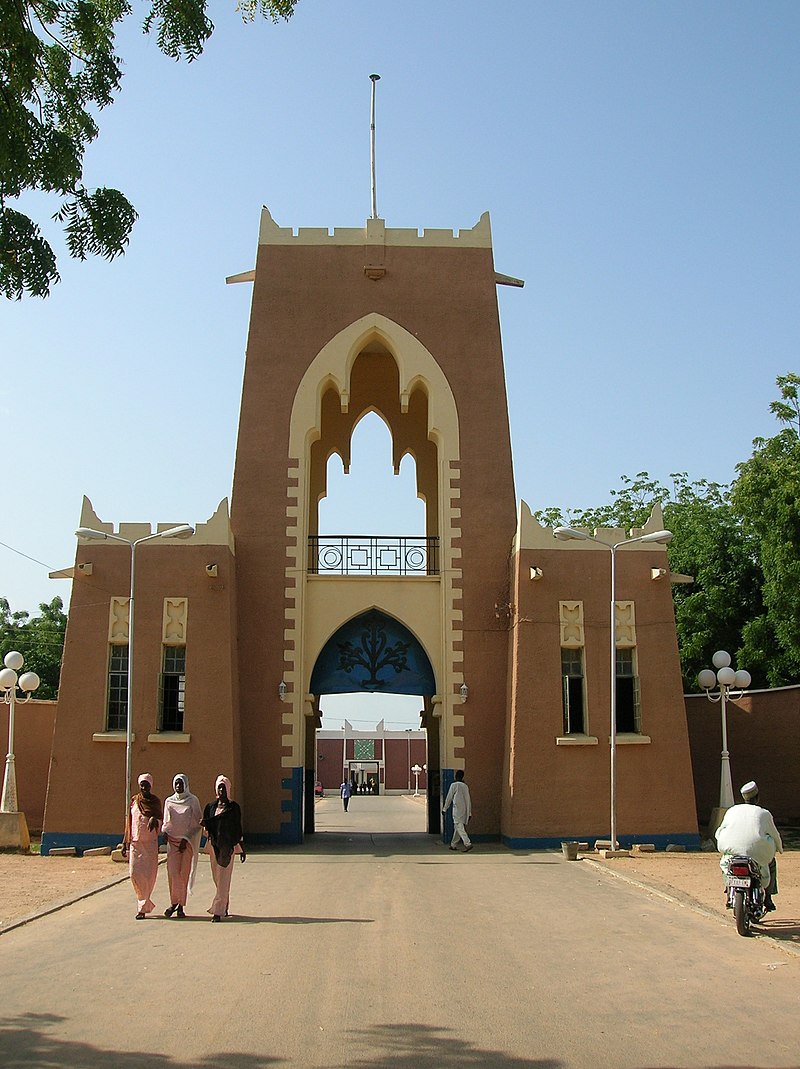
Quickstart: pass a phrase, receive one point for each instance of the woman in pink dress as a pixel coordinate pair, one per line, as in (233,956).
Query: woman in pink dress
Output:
(140,843)
(182,817)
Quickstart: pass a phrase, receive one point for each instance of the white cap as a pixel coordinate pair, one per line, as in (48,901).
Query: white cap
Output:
(750,790)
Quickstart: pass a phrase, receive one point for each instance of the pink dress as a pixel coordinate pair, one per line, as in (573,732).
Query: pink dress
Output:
(143,858)
(181,821)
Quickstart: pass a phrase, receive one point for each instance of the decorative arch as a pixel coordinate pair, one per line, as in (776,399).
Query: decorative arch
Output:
(332,367)
(373,653)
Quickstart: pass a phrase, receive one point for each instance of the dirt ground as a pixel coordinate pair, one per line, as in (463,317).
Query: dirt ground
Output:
(32,884)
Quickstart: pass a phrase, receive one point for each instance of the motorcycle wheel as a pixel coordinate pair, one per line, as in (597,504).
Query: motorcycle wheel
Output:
(740,913)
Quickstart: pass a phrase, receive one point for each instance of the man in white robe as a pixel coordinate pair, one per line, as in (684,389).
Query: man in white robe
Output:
(458,797)
(750,830)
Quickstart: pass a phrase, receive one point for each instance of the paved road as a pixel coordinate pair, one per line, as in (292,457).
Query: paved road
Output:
(382,948)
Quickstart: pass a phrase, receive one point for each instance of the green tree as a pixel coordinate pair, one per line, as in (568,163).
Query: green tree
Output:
(766,494)
(40,640)
(58,69)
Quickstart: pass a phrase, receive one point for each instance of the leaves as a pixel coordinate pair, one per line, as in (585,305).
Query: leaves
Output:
(40,640)
(59,68)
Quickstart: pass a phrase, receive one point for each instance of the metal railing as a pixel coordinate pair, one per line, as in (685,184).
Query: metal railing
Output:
(373,555)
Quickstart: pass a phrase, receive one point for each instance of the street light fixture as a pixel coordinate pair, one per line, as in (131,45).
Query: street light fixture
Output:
(28,682)
(731,685)
(565,534)
(416,770)
(184,530)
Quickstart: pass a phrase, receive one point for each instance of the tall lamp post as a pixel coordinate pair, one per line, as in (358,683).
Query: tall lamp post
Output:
(731,685)
(28,682)
(566,534)
(184,530)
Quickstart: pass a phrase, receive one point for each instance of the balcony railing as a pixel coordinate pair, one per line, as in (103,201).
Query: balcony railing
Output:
(372,555)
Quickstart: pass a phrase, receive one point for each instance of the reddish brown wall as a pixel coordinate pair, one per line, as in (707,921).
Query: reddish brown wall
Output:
(563,791)
(764,745)
(33,738)
(94,772)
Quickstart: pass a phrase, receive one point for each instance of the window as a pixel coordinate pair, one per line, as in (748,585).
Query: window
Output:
(573,691)
(173,686)
(117,711)
(629,718)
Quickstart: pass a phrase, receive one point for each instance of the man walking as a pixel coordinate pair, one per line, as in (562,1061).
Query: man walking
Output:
(345,792)
(458,797)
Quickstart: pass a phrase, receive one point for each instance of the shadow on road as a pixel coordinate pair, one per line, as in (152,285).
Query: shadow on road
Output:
(25,1043)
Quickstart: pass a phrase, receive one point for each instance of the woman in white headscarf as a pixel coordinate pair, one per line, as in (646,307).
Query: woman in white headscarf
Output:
(222,820)
(140,842)
(182,817)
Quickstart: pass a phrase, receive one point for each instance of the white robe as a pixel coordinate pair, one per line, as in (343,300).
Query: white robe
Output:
(458,797)
(749,829)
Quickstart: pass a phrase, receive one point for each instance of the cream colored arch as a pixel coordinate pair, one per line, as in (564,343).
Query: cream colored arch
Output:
(417,367)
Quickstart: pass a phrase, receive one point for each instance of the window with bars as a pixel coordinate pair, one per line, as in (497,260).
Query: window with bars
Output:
(573,691)
(117,708)
(629,712)
(172,689)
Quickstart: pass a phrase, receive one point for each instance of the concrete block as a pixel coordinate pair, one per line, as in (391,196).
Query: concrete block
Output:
(676,848)
(615,853)
(644,848)
(116,855)
(602,844)
(98,851)
(64,851)
(14,832)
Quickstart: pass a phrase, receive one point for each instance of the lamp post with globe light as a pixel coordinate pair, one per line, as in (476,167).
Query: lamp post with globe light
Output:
(14,829)
(184,530)
(731,684)
(565,534)
(416,769)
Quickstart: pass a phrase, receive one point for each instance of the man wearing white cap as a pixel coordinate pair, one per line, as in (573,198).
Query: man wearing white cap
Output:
(748,829)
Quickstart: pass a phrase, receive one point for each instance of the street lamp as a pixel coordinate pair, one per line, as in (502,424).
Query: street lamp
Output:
(565,534)
(731,685)
(416,770)
(184,530)
(28,682)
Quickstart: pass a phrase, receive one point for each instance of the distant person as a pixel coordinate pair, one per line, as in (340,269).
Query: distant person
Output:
(458,797)
(345,792)
(140,843)
(182,817)
(750,830)
(222,820)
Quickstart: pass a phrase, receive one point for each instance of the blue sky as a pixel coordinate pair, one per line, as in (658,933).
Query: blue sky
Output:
(640,163)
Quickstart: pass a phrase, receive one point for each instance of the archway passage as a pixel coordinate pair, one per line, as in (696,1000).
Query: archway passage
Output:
(373,653)
(374,656)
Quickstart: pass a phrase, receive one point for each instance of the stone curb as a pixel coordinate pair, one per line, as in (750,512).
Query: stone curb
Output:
(680,898)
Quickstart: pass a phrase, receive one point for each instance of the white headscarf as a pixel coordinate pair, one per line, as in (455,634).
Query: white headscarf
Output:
(227,782)
(185,799)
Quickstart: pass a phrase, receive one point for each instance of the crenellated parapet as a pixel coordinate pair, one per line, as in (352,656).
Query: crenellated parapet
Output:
(375,232)
(532,535)
(216,531)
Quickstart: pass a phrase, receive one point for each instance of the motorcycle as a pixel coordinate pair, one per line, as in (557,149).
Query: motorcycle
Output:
(744,891)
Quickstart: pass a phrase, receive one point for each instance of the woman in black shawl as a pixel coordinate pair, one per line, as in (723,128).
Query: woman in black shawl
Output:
(222,820)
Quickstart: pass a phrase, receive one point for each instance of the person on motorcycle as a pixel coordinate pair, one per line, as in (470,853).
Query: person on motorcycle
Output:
(750,830)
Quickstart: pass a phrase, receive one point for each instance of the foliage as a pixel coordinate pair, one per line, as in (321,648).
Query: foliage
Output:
(766,494)
(40,640)
(58,69)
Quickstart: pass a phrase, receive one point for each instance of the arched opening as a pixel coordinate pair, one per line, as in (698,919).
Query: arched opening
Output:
(374,683)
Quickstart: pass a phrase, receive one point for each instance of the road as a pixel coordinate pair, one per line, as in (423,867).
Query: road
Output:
(376,946)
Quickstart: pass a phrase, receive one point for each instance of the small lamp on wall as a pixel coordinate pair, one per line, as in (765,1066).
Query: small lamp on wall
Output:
(282,691)
(464,692)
